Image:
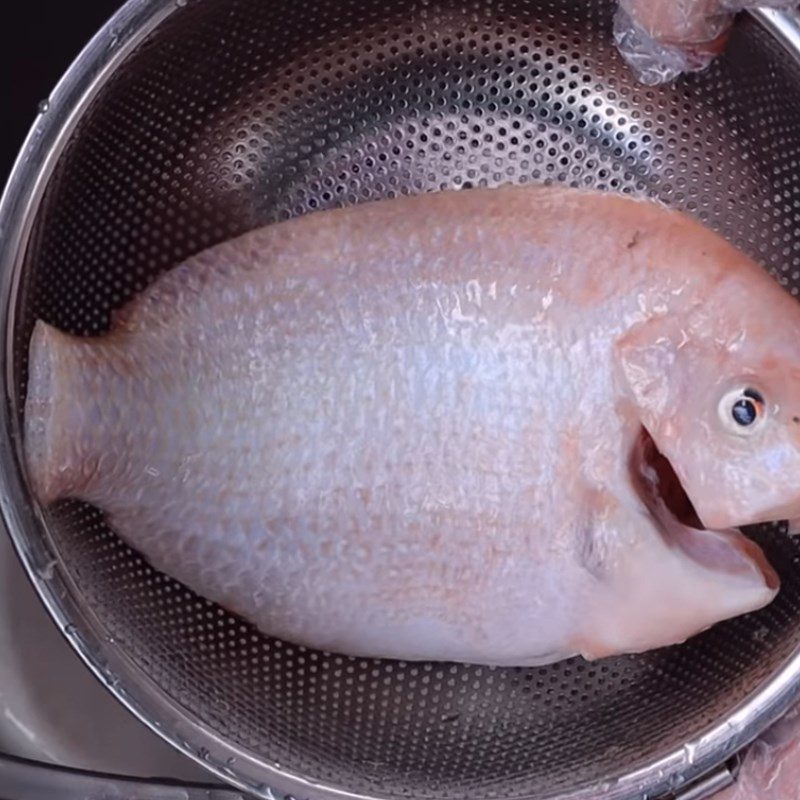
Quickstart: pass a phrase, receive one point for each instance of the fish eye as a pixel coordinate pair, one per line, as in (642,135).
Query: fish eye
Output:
(742,411)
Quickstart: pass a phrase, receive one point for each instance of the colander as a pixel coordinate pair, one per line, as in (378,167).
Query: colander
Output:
(186,122)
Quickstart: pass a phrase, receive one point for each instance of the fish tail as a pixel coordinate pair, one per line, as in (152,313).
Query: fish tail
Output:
(52,413)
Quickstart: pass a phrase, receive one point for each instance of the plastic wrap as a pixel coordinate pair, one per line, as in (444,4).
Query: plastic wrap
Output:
(660,39)
(771,766)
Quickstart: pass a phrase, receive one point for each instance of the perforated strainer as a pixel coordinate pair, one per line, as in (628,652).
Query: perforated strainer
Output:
(185,123)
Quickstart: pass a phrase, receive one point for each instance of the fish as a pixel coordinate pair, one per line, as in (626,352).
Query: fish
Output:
(501,426)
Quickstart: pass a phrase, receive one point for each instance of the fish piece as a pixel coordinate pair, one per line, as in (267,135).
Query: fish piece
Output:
(486,426)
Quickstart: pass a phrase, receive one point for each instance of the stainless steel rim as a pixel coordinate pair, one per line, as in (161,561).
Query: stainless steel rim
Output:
(58,118)
(28,780)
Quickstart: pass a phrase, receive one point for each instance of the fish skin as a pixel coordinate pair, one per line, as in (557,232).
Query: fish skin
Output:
(405,429)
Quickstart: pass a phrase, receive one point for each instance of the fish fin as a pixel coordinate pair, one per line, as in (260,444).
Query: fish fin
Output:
(645,355)
(176,292)
(49,412)
(157,303)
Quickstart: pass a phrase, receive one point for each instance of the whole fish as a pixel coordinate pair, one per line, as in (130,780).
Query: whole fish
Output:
(498,426)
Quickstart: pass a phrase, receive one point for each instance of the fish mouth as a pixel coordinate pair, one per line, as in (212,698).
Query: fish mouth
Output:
(659,486)
(660,490)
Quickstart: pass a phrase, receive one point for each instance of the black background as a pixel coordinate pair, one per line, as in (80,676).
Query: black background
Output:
(40,39)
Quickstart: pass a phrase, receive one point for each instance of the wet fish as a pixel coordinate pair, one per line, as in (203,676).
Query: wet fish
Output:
(499,426)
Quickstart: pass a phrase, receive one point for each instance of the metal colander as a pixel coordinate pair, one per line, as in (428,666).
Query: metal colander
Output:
(186,123)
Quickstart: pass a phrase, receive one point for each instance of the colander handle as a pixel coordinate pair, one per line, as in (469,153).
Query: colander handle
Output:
(21,779)
(707,787)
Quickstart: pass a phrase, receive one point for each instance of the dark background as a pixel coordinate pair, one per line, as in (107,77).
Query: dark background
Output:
(40,40)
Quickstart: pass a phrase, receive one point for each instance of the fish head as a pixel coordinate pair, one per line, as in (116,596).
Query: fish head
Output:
(718,391)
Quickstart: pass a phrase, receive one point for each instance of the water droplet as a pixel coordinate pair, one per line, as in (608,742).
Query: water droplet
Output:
(690,751)
(152,471)
(203,754)
(70,629)
(181,3)
(258,597)
(47,572)
(760,634)
(230,761)
(676,781)
(44,106)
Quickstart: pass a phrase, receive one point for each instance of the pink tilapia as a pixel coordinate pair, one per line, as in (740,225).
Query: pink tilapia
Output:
(481,426)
